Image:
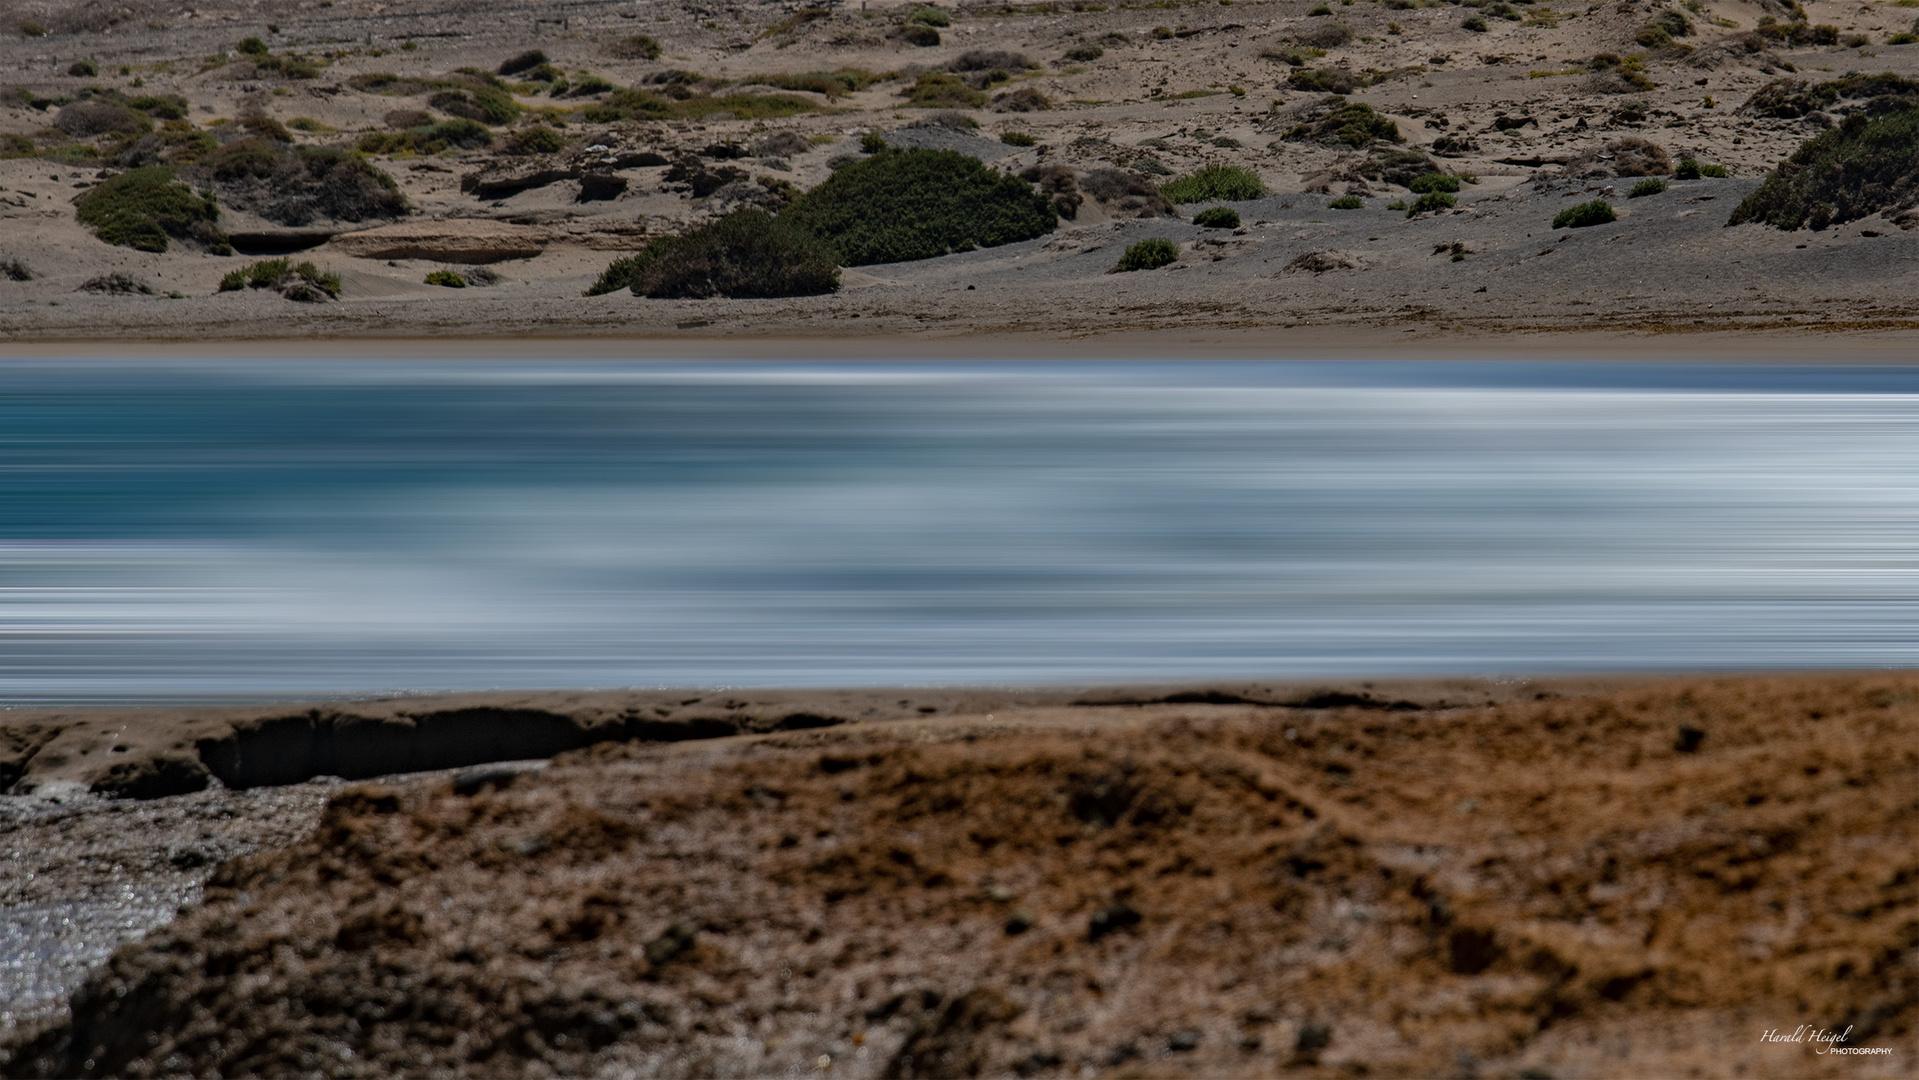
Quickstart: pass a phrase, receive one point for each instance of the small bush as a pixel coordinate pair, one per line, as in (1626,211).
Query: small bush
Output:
(1717,172)
(15,270)
(1596,212)
(428,138)
(1652,185)
(746,254)
(85,119)
(1320,9)
(536,140)
(1328,80)
(1085,53)
(938,90)
(1474,23)
(295,185)
(1025,99)
(1017,138)
(526,61)
(1432,201)
(1217,217)
(1326,36)
(253,46)
(872,142)
(82,69)
(646,105)
(116,283)
(899,205)
(930,16)
(447,279)
(918,35)
(990,60)
(624,273)
(1347,202)
(637,47)
(303,282)
(1434,181)
(144,208)
(1337,121)
(1147,255)
(1221,183)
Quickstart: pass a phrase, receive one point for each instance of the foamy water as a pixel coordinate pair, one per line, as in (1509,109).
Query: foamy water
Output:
(267,529)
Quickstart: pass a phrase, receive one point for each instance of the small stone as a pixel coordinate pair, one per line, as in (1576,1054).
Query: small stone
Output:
(1020,923)
(1183,1041)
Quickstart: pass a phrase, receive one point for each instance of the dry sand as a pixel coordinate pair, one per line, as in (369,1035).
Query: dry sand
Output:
(1531,879)
(1668,266)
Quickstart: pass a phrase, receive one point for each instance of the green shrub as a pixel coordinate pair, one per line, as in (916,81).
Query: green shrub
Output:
(1474,23)
(304,281)
(1351,123)
(939,90)
(526,61)
(428,138)
(834,84)
(1017,138)
(1687,169)
(1146,255)
(1596,212)
(143,208)
(1320,9)
(1434,181)
(637,47)
(930,16)
(624,273)
(1652,185)
(1717,172)
(293,185)
(536,140)
(872,142)
(899,205)
(747,254)
(1085,53)
(646,105)
(82,69)
(446,278)
(1865,165)
(1221,183)
(1217,217)
(1432,201)
(253,46)
(1347,202)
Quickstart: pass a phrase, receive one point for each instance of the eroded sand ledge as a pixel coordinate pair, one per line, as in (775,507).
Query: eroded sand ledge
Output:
(1603,877)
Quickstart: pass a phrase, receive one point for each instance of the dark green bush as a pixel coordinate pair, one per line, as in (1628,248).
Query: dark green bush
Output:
(899,205)
(82,69)
(1221,183)
(1687,169)
(536,140)
(1147,255)
(526,61)
(253,46)
(1085,53)
(1217,217)
(143,208)
(1347,202)
(294,185)
(1596,212)
(1017,138)
(1717,172)
(1652,185)
(1788,99)
(624,273)
(1474,23)
(428,138)
(930,16)
(748,254)
(1865,165)
(1431,201)
(446,278)
(1434,181)
(1353,123)
(939,90)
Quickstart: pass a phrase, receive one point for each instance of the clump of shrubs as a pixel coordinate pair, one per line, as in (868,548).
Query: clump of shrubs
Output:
(535,140)
(746,254)
(1017,138)
(898,205)
(636,47)
(1432,201)
(446,279)
(1336,121)
(1434,181)
(1085,53)
(1147,255)
(1347,202)
(1596,212)
(939,90)
(432,138)
(1024,99)
(1217,217)
(304,281)
(295,185)
(1652,185)
(1865,165)
(116,283)
(146,208)
(1215,183)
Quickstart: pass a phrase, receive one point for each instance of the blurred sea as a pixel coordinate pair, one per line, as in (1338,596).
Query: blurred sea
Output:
(258,529)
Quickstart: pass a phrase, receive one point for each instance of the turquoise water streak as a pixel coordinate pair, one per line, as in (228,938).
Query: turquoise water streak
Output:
(266,529)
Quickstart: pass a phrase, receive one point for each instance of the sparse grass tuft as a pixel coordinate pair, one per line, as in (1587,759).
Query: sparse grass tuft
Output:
(1017,138)
(117,283)
(304,282)
(1596,212)
(1652,185)
(1434,181)
(428,138)
(1222,183)
(646,105)
(1217,217)
(1347,202)
(1432,201)
(1147,255)
(939,90)
(447,279)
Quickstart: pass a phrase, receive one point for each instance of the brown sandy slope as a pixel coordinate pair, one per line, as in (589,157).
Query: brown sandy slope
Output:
(1632,883)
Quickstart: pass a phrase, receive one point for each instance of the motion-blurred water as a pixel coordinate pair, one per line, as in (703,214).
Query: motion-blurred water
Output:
(268,529)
